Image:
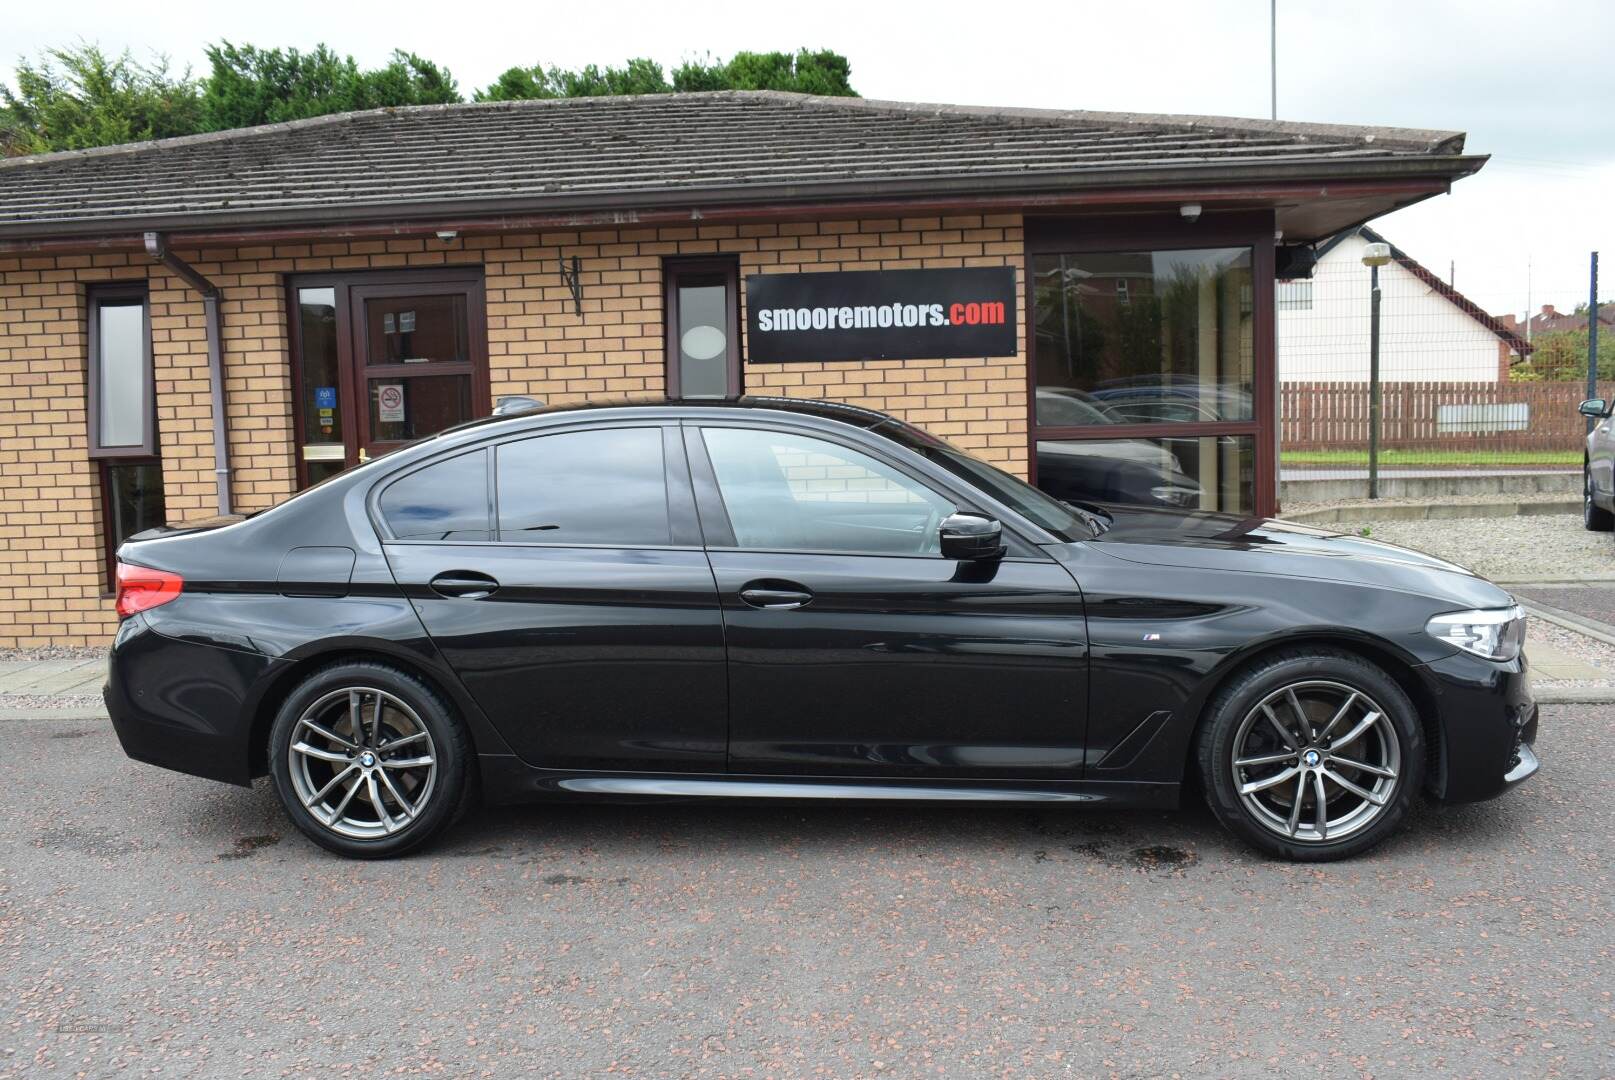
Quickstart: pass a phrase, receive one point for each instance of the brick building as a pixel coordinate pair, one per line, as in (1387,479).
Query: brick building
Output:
(203,325)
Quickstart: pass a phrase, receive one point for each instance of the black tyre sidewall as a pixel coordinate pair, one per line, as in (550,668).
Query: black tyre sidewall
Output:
(449,739)
(1235,700)
(1594,518)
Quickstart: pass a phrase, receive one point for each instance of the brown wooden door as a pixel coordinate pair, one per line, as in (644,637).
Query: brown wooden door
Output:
(381,360)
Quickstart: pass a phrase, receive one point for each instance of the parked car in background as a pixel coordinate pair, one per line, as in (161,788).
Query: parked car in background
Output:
(1598,468)
(1140,471)
(771,598)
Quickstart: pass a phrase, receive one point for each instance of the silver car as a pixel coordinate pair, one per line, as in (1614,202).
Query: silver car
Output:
(1597,466)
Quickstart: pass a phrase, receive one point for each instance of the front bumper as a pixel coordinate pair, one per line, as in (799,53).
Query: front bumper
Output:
(1483,735)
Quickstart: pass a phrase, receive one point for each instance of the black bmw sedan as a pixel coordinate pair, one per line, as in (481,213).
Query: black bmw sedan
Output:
(788,599)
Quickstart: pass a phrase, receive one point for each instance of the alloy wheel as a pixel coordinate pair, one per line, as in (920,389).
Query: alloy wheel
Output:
(1316,761)
(362,762)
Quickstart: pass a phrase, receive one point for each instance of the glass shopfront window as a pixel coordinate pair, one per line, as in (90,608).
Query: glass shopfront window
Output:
(1145,367)
(1144,337)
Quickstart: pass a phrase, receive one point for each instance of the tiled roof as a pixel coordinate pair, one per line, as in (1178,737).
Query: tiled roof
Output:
(660,150)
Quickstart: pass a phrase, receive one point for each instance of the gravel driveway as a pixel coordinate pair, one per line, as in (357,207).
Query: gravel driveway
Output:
(155,923)
(1503,548)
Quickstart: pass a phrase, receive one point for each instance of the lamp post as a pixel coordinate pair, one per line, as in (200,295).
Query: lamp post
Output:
(1374,257)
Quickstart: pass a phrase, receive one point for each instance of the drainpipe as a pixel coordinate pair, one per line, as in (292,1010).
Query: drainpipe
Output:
(157,248)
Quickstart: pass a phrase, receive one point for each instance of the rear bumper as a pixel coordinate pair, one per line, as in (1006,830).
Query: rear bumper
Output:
(183,705)
(1486,726)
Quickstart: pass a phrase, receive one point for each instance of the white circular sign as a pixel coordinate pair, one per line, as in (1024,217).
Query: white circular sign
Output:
(703,342)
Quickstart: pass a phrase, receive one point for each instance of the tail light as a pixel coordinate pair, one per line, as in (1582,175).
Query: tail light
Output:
(140,589)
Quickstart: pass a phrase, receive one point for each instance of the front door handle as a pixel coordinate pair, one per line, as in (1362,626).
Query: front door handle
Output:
(775,595)
(464,584)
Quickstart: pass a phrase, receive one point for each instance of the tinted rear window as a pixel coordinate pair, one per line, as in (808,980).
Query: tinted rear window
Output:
(444,501)
(605,486)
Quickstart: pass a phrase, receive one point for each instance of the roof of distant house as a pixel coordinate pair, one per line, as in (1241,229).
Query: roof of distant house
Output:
(622,153)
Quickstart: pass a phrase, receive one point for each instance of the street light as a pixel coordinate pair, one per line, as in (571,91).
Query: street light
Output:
(1374,257)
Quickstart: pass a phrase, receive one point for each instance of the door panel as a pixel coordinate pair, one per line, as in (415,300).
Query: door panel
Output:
(583,658)
(853,646)
(903,666)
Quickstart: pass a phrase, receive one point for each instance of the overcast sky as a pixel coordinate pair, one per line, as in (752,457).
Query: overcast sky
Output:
(1533,84)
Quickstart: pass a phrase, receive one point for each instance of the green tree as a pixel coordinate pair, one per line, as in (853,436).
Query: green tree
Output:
(78,97)
(1562,356)
(807,72)
(249,86)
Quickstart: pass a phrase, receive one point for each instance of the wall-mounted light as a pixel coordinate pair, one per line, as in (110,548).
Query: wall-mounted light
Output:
(448,236)
(1190,211)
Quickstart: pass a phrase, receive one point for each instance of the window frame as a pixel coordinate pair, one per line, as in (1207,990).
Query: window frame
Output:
(676,272)
(96,297)
(668,495)
(350,289)
(378,491)
(719,528)
(1134,233)
(685,529)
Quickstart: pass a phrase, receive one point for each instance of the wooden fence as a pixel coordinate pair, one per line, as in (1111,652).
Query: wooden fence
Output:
(1446,416)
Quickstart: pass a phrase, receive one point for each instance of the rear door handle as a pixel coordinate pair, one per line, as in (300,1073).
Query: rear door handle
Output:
(775,595)
(464,584)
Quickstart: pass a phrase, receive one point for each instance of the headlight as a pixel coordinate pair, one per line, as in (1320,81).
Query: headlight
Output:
(1495,633)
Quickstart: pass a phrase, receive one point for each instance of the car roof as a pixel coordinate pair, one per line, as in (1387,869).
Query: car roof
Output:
(829,410)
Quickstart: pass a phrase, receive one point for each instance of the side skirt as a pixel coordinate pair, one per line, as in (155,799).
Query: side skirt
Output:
(509,780)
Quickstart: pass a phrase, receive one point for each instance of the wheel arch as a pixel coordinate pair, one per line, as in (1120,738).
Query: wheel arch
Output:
(288,676)
(1383,655)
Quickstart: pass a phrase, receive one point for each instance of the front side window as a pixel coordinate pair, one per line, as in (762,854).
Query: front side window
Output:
(703,328)
(123,418)
(791,492)
(584,487)
(446,501)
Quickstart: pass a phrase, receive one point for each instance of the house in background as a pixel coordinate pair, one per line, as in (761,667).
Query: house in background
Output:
(1552,321)
(1429,331)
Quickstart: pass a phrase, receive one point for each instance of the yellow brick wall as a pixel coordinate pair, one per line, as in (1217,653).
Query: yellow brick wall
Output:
(51,576)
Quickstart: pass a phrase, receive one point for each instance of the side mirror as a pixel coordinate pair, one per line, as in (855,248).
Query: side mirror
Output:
(1595,407)
(971,536)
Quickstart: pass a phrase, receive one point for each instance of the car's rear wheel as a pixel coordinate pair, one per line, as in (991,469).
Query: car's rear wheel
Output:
(367,760)
(1593,517)
(1311,755)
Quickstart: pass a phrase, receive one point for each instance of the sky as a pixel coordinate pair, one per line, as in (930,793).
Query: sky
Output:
(1533,84)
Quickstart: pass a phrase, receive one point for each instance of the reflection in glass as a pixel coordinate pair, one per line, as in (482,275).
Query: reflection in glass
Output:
(793,492)
(412,408)
(121,397)
(1193,473)
(135,499)
(703,341)
(322,416)
(584,487)
(445,501)
(416,329)
(1144,337)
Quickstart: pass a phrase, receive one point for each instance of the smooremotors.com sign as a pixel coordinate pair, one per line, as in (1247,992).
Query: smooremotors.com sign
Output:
(880,315)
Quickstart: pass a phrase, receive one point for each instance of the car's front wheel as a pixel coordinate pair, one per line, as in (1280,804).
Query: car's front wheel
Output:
(1311,754)
(1593,517)
(367,760)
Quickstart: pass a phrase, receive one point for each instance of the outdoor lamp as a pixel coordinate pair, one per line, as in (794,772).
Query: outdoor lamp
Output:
(1375,255)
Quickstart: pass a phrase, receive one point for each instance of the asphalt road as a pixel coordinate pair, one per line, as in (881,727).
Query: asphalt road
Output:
(155,924)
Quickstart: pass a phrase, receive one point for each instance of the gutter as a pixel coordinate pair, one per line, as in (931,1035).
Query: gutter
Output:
(157,247)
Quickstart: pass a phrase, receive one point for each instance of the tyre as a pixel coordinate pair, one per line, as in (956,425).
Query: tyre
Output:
(1593,517)
(369,761)
(1311,755)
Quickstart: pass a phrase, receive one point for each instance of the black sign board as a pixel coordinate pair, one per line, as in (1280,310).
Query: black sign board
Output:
(880,315)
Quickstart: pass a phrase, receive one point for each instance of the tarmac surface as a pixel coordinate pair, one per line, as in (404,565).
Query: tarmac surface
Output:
(154,924)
